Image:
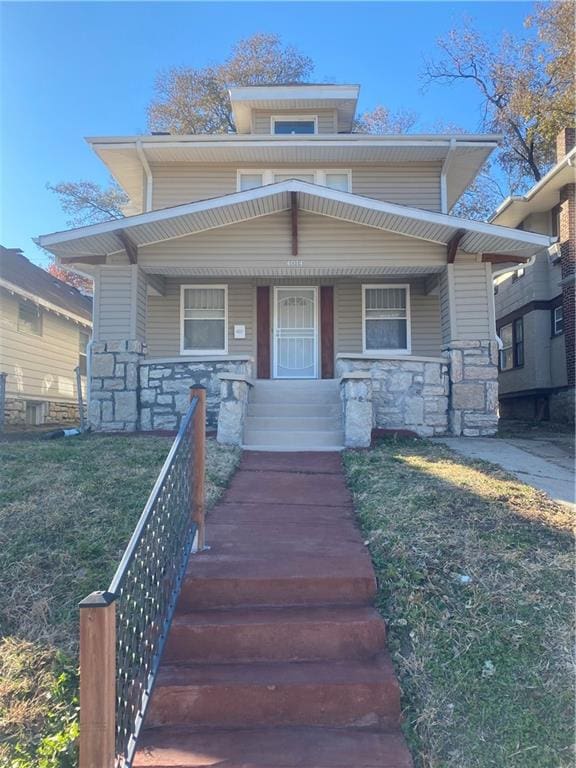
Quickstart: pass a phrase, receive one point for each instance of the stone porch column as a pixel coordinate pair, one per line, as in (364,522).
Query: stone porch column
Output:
(357,409)
(470,346)
(120,302)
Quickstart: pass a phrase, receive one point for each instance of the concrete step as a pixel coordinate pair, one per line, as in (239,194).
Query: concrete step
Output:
(315,423)
(316,391)
(271,748)
(293,438)
(275,634)
(352,694)
(295,409)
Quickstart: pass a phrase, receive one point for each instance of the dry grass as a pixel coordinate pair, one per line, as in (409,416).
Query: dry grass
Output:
(476,582)
(67,510)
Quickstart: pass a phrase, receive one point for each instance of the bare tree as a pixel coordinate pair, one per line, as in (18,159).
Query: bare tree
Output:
(381,120)
(89,203)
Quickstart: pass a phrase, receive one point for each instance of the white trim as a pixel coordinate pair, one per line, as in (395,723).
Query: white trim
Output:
(289,118)
(409,213)
(148,172)
(491,300)
(408,349)
(469,141)
(277,288)
(443,175)
(556,332)
(268,175)
(199,352)
(12,288)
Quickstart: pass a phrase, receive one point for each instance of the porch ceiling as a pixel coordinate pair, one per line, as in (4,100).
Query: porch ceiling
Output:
(100,240)
(293,272)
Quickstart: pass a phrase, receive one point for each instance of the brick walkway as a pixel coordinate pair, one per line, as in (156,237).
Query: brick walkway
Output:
(276,658)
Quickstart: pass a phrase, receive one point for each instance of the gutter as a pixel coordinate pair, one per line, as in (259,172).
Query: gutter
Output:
(147,171)
(443,173)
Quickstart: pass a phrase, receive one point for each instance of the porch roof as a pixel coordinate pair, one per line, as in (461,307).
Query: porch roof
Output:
(97,241)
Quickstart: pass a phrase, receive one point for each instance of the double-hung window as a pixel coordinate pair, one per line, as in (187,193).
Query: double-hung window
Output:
(512,352)
(386,318)
(340,180)
(29,318)
(83,340)
(557,321)
(204,319)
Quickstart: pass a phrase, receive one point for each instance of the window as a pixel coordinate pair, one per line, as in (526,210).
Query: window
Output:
(29,318)
(555,221)
(386,313)
(338,179)
(204,310)
(518,274)
(35,413)
(83,340)
(557,321)
(294,125)
(512,352)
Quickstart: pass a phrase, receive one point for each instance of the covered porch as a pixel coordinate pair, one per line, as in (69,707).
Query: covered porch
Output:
(294,281)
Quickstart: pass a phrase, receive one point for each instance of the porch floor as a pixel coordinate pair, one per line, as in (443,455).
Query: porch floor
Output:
(276,657)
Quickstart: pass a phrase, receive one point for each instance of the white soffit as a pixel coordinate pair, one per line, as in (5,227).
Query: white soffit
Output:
(342,98)
(183,220)
(121,157)
(543,196)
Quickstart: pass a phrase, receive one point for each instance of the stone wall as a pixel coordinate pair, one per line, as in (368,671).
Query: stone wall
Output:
(56,413)
(165,389)
(473,387)
(115,385)
(406,394)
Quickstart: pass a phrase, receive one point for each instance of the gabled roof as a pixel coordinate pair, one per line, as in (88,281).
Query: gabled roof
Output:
(294,96)
(18,274)
(462,155)
(543,196)
(144,229)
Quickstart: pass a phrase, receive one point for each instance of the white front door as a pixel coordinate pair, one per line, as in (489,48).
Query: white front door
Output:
(295,333)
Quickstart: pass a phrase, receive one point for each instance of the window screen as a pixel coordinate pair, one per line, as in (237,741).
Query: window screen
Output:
(385,318)
(204,319)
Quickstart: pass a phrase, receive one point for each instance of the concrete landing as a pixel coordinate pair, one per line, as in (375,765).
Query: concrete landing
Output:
(276,657)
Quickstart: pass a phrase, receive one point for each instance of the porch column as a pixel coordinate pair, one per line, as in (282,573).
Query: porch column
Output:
(120,301)
(469,344)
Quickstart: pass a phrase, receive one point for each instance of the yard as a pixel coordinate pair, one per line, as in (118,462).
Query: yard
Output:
(475,574)
(67,509)
(476,583)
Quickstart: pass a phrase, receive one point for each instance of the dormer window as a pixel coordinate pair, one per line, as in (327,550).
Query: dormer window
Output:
(339,179)
(293,125)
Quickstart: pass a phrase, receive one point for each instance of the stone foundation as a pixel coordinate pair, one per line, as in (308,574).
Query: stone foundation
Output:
(473,387)
(234,389)
(165,389)
(562,405)
(406,394)
(356,393)
(115,385)
(56,413)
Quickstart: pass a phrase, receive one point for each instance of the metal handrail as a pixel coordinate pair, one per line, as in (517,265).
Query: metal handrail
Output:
(123,630)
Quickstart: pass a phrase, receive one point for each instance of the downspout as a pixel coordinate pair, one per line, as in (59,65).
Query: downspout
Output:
(148,172)
(443,172)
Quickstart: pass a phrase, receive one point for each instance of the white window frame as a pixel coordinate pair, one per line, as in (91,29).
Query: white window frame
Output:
(200,352)
(408,350)
(293,119)
(555,331)
(269,173)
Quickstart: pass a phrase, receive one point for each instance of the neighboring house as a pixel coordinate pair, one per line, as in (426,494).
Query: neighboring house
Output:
(45,327)
(295,250)
(535,304)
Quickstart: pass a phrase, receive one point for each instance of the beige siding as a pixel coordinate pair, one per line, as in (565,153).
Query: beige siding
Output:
(163,334)
(444,285)
(38,367)
(261,120)
(265,243)
(471,301)
(120,303)
(163,329)
(413,184)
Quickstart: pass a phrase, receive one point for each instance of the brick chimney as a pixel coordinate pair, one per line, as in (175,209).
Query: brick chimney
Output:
(565,141)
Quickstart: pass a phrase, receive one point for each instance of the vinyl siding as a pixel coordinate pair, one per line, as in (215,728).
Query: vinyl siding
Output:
(120,303)
(413,184)
(163,330)
(471,301)
(326,119)
(265,244)
(38,367)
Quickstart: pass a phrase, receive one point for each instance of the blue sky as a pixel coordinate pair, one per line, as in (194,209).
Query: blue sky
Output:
(70,70)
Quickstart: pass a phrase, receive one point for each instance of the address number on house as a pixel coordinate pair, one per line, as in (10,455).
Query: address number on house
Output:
(295,263)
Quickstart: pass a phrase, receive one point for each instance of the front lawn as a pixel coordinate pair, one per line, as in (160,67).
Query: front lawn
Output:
(67,510)
(475,576)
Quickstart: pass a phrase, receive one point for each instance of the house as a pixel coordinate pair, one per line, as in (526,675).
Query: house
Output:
(311,277)
(45,328)
(535,304)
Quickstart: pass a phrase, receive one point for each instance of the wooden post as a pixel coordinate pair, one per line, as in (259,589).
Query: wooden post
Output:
(97,681)
(198,468)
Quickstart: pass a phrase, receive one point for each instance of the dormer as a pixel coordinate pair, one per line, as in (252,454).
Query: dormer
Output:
(294,110)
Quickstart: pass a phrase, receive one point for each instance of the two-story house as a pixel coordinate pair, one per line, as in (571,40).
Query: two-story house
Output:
(535,304)
(311,277)
(45,327)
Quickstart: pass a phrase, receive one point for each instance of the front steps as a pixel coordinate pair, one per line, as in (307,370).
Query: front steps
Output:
(294,415)
(276,657)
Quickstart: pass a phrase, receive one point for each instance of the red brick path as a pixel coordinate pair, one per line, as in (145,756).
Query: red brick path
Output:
(276,658)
